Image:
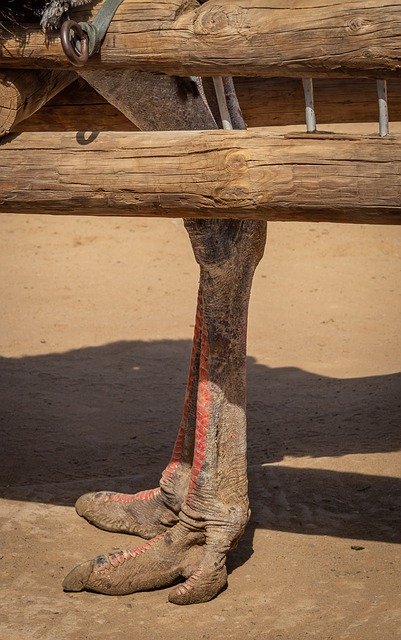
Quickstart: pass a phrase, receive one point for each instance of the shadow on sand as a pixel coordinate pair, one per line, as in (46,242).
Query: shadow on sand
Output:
(105,418)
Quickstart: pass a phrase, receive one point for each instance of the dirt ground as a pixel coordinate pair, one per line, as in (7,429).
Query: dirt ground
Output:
(96,323)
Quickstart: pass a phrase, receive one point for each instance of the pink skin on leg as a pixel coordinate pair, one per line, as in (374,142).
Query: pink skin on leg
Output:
(215,510)
(212,514)
(149,512)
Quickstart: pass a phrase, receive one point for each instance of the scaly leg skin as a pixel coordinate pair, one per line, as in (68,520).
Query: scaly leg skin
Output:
(215,510)
(148,513)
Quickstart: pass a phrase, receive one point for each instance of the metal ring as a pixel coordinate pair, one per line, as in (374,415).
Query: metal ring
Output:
(77,58)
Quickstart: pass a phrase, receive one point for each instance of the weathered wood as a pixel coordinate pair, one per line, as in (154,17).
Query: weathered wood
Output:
(154,101)
(241,174)
(264,102)
(77,108)
(280,101)
(135,94)
(24,92)
(280,38)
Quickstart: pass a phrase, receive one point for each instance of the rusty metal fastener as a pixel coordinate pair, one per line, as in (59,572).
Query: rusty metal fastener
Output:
(87,37)
(76,49)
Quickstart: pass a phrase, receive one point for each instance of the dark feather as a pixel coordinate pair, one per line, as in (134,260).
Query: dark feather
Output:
(48,12)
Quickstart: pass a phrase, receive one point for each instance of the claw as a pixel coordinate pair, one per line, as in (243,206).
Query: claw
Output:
(78,578)
(83,504)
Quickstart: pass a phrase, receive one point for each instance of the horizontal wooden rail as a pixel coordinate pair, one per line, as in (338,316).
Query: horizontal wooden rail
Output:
(264,102)
(215,174)
(233,37)
(79,107)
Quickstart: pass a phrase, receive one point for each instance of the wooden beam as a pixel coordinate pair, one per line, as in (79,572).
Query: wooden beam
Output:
(264,102)
(281,102)
(215,174)
(24,92)
(77,108)
(154,102)
(229,37)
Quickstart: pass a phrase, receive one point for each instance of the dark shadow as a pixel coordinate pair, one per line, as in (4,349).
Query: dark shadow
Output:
(86,137)
(319,502)
(106,417)
(10,137)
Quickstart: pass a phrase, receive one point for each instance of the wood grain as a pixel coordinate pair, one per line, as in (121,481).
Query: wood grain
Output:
(264,102)
(77,108)
(24,92)
(233,37)
(238,174)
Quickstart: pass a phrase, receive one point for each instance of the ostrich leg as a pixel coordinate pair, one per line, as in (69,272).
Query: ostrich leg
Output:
(148,513)
(215,509)
(170,104)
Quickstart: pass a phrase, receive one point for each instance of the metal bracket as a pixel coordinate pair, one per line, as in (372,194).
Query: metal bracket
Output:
(80,40)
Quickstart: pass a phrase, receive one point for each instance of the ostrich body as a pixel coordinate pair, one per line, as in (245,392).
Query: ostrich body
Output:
(50,12)
(200,508)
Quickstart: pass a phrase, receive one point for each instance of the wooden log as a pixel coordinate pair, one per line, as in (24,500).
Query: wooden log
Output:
(24,92)
(153,101)
(280,101)
(77,108)
(264,102)
(215,174)
(279,38)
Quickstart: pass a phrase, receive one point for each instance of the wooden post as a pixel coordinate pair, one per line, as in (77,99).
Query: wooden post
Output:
(297,38)
(236,174)
(24,92)
(175,104)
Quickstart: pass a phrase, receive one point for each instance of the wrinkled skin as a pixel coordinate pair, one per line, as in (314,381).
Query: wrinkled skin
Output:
(200,508)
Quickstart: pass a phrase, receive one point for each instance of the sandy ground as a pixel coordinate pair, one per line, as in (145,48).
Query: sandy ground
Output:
(96,323)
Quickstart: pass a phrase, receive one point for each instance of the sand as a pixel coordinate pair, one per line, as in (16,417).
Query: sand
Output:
(96,324)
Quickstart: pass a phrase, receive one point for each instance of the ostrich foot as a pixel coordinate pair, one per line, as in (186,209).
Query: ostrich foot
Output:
(144,514)
(176,554)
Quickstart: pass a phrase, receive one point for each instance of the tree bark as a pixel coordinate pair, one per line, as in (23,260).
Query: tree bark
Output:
(239,174)
(287,38)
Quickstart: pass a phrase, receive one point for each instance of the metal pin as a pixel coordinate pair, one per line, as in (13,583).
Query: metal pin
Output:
(309,105)
(222,102)
(383,108)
